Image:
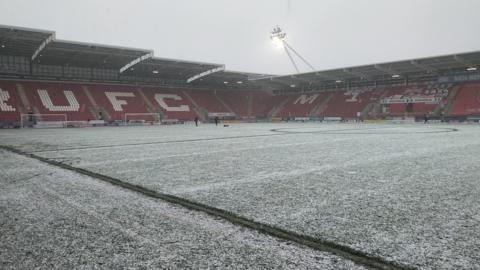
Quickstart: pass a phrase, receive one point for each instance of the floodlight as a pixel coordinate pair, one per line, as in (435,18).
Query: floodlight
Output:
(395,76)
(278,34)
(155,72)
(471,69)
(278,38)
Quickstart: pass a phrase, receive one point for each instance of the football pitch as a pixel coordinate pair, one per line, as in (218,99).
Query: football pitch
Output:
(286,195)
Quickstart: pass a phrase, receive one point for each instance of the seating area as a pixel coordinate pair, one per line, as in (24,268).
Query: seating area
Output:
(467,102)
(350,104)
(171,102)
(82,102)
(207,100)
(117,100)
(58,98)
(301,105)
(415,100)
(237,101)
(10,105)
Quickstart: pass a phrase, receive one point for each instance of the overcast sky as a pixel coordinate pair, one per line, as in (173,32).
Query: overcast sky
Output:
(328,33)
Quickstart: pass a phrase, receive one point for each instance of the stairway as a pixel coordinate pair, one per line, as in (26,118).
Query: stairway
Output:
(250,105)
(94,107)
(201,112)
(452,96)
(275,110)
(322,107)
(225,104)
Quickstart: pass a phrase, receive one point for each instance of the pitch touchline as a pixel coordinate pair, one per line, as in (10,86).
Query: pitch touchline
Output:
(346,252)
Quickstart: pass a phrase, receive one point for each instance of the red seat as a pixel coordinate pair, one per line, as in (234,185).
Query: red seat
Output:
(58,98)
(468,100)
(10,104)
(117,100)
(173,103)
(349,103)
(206,99)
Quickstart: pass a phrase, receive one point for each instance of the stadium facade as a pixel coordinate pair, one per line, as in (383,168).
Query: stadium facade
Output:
(44,79)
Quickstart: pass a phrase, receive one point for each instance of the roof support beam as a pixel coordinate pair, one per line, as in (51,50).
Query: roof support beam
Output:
(423,66)
(205,73)
(42,46)
(356,73)
(462,61)
(136,61)
(297,78)
(389,71)
(327,77)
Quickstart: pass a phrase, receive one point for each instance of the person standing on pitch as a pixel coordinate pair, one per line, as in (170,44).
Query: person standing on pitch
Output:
(216,120)
(196,121)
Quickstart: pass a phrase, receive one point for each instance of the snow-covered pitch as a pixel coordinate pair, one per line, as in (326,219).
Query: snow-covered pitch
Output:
(407,193)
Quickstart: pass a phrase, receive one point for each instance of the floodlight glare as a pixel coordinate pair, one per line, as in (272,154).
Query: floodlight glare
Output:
(155,72)
(277,36)
(471,69)
(395,76)
(277,43)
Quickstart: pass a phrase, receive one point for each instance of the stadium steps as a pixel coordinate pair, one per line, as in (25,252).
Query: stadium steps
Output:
(149,104)
(366,111)
(150,107)
(201,112)
(275,110)
(250,105)
(452,96)
(94,108)
(322,106)
(23,96)
(224,104)
(376,109)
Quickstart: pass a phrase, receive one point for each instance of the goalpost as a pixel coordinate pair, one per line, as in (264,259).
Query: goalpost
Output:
(40,120)
(142,118)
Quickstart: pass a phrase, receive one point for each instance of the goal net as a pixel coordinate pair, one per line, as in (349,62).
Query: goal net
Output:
(142,118)
(43,120)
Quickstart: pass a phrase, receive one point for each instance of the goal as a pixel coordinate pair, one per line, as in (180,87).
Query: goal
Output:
(31,120)
(142,118)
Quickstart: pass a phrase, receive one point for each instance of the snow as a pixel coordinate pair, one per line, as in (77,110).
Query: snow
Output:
(405,192)
(57,219)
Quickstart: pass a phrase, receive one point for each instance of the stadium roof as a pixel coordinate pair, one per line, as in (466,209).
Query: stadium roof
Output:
(20,41)
(400,70)
(170,69)
(41,48)
(68,53)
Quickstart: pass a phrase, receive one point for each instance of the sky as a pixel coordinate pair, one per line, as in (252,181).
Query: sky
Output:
(328,33)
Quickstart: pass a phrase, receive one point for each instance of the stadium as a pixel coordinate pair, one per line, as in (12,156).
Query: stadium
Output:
(116,158)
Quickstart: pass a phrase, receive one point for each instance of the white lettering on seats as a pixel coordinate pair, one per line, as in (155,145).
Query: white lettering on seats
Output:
(304,99)
(118,103)
(4,97)
(160,98)
(73,105)
(353,98)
